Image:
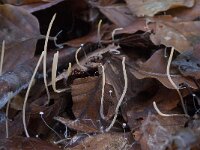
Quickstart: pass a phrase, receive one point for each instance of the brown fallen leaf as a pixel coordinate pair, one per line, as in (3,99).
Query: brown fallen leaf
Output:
(188,64)
(183,36)
(140,106)
(33,7)
(186,14)
(119,14)
(152,7)
(155,67)
(156,131)
(111,141)
(106,2)
(22,2)
(15,126)
(92,37)
(85,126)
(184,139)
(26,144)
(20,30)
(86,95)
(36,126)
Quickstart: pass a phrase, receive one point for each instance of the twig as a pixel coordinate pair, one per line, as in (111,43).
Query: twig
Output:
(122,96)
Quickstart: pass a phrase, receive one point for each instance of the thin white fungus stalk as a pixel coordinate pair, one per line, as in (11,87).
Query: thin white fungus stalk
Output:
(77,61)
(102,92)
(172,82)
(165,115)
(69,70)
(7,119)
(99,30)
(27,93)
(2,57)
(114,31)
(122,96)
(45,57)
(54,71)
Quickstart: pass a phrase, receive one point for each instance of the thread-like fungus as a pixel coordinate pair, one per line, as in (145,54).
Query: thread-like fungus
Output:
(172,82)
(102,92)
(54,71)
(27,94)
(113,33)
(99,31)
(165,115)
(69,70)
(2,56)
(45,57)
(77,61)
(41,116)
(7,118)
(122,96)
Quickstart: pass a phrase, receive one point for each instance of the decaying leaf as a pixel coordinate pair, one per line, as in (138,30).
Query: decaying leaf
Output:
(86,95)
(124,16)
(152,7)
(26,144)
(21,2)
(155,67)
(183,36)
(33,7)
(111,141)
(186,14)
(20,30)
(188,64)
(156,132)
(86,126)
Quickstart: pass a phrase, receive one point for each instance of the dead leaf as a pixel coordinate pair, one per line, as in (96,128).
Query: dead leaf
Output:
(85,126)
(36,126)
(186,14)
(155,67)
(22,2)
(152,7)
(15,126)
(188,64)
(183,36)
(20,30)
(111,141)
(26,144)
(86,95)
(33,7)
(156,131)
(124,16)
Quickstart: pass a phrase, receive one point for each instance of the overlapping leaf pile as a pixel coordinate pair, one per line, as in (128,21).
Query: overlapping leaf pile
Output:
(120,52)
